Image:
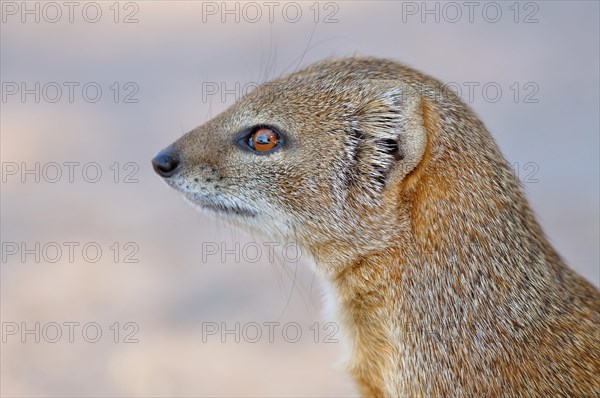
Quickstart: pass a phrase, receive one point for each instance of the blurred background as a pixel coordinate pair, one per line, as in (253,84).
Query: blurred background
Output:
(111,285)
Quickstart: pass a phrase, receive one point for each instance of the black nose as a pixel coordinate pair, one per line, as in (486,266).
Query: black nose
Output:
(165,163)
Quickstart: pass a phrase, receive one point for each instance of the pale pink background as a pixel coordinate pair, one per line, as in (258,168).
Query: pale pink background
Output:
(170,53)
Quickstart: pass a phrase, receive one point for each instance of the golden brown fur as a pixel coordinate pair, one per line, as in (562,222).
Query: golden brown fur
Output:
(444,280)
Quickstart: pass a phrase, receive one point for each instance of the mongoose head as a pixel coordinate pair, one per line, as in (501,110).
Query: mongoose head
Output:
(316,157)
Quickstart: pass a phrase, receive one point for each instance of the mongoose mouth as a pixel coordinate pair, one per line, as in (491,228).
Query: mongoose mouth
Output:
(220,206)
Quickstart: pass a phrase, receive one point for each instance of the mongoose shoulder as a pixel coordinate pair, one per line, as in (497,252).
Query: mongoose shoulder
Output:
(444,280)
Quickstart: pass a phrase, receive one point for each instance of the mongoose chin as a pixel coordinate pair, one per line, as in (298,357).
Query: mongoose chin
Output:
(444,281)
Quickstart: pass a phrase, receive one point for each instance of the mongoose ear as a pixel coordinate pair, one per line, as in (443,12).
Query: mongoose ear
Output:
(391,124)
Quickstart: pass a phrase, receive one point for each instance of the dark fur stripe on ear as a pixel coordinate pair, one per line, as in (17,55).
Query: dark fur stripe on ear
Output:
(378,146)
(391,147)
(369,160)
(353,151)
(383,130)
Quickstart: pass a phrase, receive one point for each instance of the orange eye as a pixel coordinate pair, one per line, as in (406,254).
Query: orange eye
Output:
(264,139)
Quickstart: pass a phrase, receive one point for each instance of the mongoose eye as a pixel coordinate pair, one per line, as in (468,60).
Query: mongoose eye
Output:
(261,139)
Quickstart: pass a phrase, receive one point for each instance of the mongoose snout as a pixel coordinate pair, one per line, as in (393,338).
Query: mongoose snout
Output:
(414,217)
(165,163)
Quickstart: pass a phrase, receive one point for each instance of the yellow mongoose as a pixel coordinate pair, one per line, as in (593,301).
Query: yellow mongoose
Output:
(444,280)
